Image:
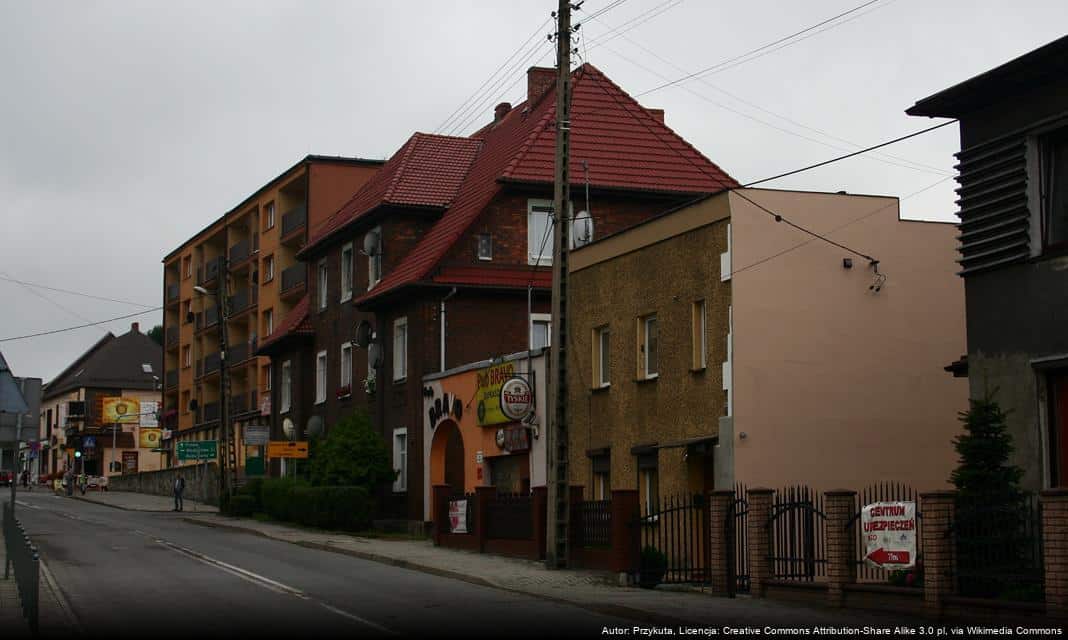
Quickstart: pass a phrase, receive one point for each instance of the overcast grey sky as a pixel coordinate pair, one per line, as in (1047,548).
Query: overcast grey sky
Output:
(128,126)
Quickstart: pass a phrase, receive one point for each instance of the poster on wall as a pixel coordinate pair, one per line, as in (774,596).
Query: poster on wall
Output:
(889,530)
(117,410)
(149,410)
(457,516)
(129,462)
(149,438)
(490,380)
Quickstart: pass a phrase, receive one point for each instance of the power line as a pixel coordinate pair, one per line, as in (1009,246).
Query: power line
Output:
(82,326)
(73,293)
(49,300)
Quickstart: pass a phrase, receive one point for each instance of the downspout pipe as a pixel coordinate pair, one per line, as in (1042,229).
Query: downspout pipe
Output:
(441,318)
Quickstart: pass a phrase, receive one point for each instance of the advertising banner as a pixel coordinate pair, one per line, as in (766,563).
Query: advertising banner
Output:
(457,516)
(490,381)
(889,530)
(257,435)
(150,438)
(129,462)
(121,411)
(149,410)
(287,449)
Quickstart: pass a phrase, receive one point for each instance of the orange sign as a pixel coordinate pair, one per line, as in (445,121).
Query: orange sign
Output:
(287,449)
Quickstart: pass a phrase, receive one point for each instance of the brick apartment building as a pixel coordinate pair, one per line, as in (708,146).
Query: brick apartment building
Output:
(249,254)
(439,248)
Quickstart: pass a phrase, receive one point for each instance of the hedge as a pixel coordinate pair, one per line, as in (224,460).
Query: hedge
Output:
(294,500)
(242,506)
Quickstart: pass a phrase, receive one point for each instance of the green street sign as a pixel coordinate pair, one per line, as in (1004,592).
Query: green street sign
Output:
(198,450)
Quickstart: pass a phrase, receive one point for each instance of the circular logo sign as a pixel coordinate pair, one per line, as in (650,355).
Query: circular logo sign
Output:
(517,401)
(500,438)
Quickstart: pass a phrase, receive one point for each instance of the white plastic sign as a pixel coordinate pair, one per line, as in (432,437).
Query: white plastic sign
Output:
(457,516)
(889,530)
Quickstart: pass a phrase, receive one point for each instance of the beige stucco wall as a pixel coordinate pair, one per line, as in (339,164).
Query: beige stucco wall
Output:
(836,385)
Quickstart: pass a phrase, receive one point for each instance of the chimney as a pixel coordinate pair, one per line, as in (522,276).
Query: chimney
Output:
(658,114)
(501,110)
(539,79)
(135,327)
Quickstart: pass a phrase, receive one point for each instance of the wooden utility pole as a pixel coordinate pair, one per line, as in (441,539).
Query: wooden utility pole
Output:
(556,552)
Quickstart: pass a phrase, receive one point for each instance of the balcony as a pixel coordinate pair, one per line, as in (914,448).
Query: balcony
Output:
(238,353)
(294,220)
(294,279)
(171,379)
(207,318)
(212,361)
(242,301)
(172,293)
(172,337)
(209,271)
(242,251)
(211,412)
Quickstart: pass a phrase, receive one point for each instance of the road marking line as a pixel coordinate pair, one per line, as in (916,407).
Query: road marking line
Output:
(27,504)
(357,618)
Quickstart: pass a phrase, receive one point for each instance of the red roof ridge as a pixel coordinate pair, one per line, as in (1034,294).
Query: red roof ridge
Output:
(295,322)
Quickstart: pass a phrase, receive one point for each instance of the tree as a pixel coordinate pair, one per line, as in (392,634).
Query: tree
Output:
(984,470)
(156,333)
(352,454)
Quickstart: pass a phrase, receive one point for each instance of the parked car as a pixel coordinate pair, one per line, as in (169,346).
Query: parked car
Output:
(6,478)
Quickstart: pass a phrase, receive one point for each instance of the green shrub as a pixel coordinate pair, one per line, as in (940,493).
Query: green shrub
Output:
(353,454)
(346,508)
(653,559)
(278,500)
(242,506)
(254,489)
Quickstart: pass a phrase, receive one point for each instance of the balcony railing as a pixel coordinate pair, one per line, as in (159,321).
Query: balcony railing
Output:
(172,292)
(211,363)
(241,251)
(172,336)
(238,403)
(208,318)
(209,271)
(294,219)
(242,300)
(171,379)
(211,411)
(238,353)
(294,276)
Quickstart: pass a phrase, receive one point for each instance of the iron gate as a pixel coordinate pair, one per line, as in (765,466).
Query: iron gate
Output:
(679,528)
(737,545)
(797,535)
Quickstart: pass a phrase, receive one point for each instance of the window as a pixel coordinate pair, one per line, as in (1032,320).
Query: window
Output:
(485,246)
(187,311)
(320,377)
(400,459)
(650,490)
(699,322)
(185,402)
(540,330)
(647,347)
(268,322)
(539,232)
(1057,410)
(346,365)
(346,272)
(601,465)
(372,373)
(267,378)
(286,391)
(268,269)
(268,216)
(323,280)
(374,261)
(1053,185)
(400,349)
(601,351)
(187,266)
(187,356)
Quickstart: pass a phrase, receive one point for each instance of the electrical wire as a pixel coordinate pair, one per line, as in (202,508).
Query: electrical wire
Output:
(73,293)
(82,326)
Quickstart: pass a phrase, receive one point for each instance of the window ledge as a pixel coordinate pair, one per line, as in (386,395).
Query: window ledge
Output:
(346,297)
(400,380)
(698,370)
(323,401)
(652,378)
(604,388)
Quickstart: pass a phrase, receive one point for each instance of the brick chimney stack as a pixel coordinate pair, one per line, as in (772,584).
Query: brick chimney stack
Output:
(501,110)
(135,327)
(658,114)
(539,80)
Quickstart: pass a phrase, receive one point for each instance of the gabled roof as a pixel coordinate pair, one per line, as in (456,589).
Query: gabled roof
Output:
(425,172)
(296,323)
(113,362)
(626,147)
(11,398)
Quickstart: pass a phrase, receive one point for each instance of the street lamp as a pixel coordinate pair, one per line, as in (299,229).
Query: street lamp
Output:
(224,400)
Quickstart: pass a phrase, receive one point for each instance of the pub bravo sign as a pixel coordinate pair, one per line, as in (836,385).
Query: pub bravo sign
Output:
(517,401)
(889,530)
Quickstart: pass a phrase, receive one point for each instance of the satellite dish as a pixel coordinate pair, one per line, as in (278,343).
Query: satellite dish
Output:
(315,426)
(581,230)
(374,355)
(289,429)
(370,243)
(363,334)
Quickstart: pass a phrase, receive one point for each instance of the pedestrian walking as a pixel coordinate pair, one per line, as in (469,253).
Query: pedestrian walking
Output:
(83,483)
(179,487)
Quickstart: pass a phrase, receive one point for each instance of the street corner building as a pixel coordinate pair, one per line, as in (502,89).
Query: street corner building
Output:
(99,416)
(714,346)
(1013,248)
(20,410)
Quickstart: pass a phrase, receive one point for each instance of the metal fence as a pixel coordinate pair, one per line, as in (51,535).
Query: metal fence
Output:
(737,529)
(998,542)
(23,558)
(883,492)
(509,516)
(797,531)
(678,527)
(593,519)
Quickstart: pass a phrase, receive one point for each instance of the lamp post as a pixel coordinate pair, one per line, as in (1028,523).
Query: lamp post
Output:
(224,401)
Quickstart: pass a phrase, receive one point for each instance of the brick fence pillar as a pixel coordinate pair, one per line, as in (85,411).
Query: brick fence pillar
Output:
(840,507)
(483,497)
(720,505)
(1055,551)
(626,536)
(439,513)
(759,544)
(539,501)
(938,549)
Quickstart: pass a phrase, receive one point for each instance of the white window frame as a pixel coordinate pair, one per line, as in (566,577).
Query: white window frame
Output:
(372,373)
(400,460)
(547,318)
(488,255)
(270,215)
(646,374)
(647,481)
(285,394)
(539,244)
(187,262)
(321,363)
(699,322)
(346,273)
(603,356)
(267,382)
(400,349)
(346,371)
(269,318)
(323,282)
(268,269)
(374,263)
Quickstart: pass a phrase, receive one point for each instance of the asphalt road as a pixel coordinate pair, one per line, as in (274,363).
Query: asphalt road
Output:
(137,575)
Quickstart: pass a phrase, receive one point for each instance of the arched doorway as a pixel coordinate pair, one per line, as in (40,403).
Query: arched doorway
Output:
(447,456)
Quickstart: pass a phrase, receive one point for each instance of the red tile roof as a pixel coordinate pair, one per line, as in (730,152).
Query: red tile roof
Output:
(625,146)
(426,172)
(296,323)
(487,276)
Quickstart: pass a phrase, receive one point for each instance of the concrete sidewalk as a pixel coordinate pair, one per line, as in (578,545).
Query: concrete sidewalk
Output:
(144,502)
